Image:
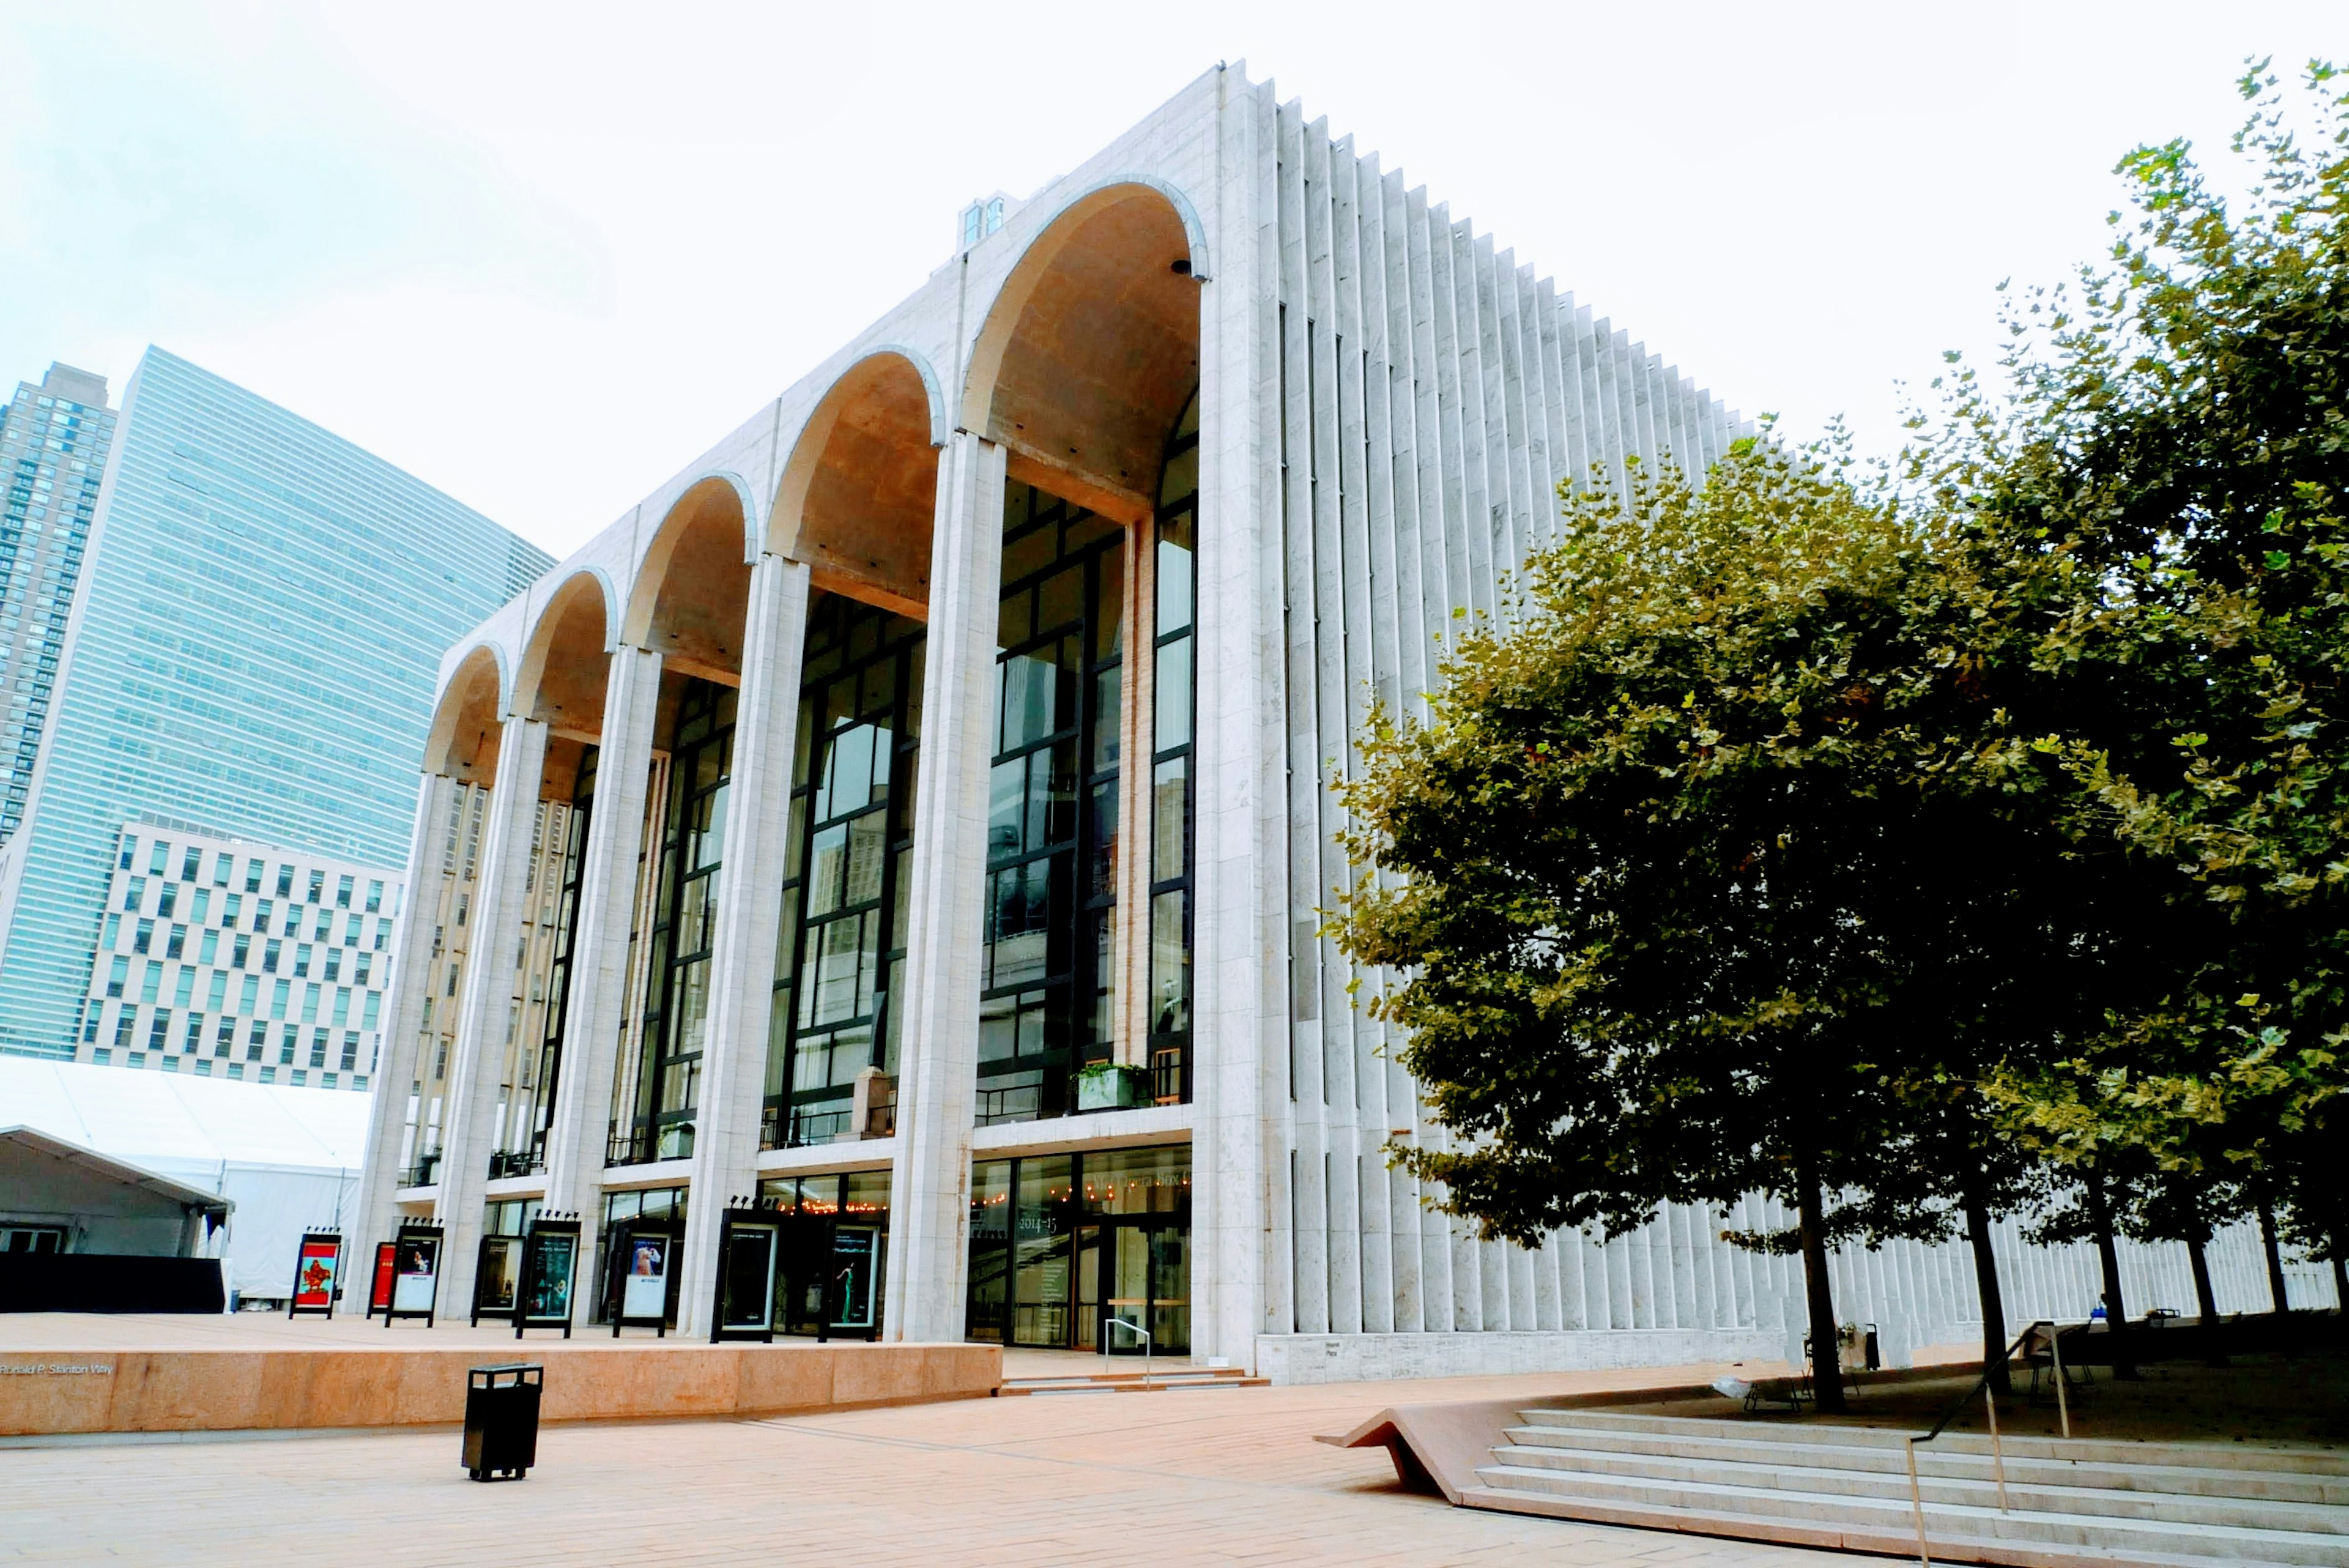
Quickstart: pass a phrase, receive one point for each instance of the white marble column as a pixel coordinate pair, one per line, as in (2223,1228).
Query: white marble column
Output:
(577,1132)
(486,1001)
(1241,1036)
(930,1186)
(743,948)
(407,979)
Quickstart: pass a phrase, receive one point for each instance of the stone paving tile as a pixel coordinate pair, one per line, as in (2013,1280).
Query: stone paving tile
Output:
(1222,1477)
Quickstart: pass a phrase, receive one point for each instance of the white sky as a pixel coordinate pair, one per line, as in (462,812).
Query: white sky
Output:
(542,256)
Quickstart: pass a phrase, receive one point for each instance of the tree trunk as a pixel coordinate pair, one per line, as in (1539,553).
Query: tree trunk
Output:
(2206,1302)
(1826,1371)
(2100,1214)
(1994,1300)
(2276,1290)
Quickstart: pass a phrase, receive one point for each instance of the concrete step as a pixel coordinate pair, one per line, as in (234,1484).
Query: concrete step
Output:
(1892,1517)
(1131,1382)
(1819,1447)
(1805,1429)
(1859,1536)
(1805,1471)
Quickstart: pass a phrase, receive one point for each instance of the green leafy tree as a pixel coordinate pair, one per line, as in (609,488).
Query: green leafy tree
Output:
(1720,866)
(2167,475)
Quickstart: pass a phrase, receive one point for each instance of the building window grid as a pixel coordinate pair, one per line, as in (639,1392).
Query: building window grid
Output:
(848,868)
(1173,790)
(684,910)
(1051,807)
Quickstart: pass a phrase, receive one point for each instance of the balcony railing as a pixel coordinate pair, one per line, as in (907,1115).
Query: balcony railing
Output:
(503,1164)
(647,1145)
(869,1111)
(424,1172)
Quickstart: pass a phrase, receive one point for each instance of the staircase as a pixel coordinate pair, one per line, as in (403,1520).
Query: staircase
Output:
(2070,1503)
(1132,1382)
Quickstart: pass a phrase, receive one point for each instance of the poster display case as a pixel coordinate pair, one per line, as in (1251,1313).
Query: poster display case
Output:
(414,1273)
(549,1266)
(318,1274)
(497,1278)
(750,1237)
(643,1261)
(386,1256)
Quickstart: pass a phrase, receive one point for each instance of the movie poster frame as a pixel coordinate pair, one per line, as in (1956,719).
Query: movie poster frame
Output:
(544,1230)
(294,1307)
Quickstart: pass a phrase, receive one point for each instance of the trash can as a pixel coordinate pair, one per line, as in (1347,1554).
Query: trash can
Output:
(501,1420)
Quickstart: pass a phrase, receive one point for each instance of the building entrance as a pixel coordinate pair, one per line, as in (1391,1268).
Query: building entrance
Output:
(1134,1271)
(1063,1245)
(832,1276)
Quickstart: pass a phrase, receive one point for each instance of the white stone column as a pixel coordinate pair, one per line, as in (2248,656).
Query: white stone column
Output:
(407,979)
(577,1131)
(930,1186)
(1240,1008)
(486,1001)
(749,910)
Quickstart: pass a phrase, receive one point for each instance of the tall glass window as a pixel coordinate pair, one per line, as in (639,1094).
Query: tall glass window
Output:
(849,874)
(685,911)
(1175,707)
(1048,987)
(558,984)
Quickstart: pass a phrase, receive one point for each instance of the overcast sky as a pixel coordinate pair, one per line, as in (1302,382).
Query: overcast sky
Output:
(544,256)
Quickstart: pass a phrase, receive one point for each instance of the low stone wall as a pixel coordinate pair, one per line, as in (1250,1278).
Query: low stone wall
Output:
(1374,1357)
(163,1390)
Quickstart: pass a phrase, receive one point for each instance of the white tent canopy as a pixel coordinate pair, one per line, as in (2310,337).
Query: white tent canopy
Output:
(289,1159)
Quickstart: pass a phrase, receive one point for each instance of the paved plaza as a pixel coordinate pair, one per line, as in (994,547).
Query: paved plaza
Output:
(1223,1476)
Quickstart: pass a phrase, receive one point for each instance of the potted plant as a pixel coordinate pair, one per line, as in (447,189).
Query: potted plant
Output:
(1111,1086)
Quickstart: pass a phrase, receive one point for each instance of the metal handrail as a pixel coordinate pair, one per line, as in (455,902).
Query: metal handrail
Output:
(1137,1329)
(1997,1449)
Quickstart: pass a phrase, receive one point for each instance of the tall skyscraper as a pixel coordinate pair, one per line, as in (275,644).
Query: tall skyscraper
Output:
(53,444)
(250,662)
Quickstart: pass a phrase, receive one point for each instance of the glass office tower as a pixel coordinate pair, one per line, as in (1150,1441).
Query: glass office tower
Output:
(53,444)
(251,654)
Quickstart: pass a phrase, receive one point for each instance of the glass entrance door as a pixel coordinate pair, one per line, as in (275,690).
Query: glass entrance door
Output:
(1145,1273)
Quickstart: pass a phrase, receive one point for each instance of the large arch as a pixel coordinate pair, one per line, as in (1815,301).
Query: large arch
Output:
(1091,348)
(564,669)
(857,498)
(470,717)
(691,599)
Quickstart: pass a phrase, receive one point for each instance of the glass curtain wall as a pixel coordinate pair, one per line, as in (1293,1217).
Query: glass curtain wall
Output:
(1175,706)
(1048,1002)
(675,1017)
(558,985)
(849,874)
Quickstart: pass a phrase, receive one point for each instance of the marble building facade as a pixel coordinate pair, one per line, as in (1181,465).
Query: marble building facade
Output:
(916,813)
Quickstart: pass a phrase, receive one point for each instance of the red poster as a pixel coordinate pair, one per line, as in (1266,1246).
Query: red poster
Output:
(379,1298)
(313,1275)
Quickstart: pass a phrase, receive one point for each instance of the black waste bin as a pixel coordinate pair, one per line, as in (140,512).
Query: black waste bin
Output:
(501,1420)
